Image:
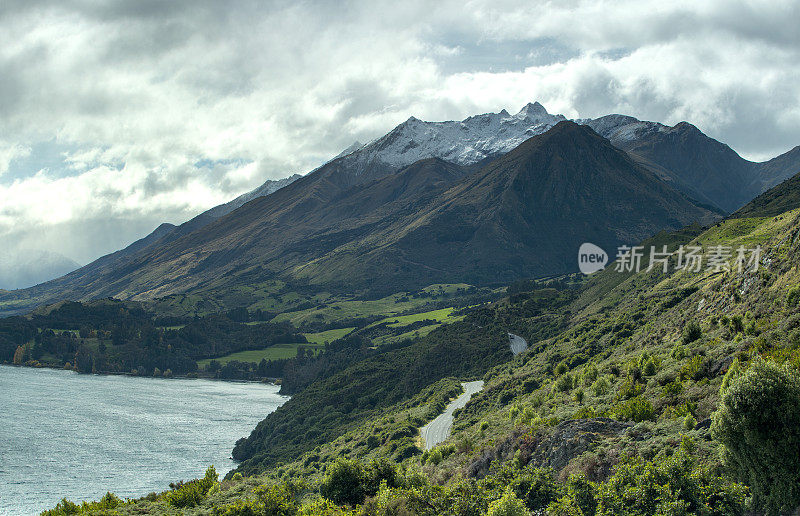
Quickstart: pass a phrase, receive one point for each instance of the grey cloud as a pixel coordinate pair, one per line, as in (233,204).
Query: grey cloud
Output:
(161,86)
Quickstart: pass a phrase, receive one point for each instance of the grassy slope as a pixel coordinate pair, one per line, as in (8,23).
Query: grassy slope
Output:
(276,352)
(614,321)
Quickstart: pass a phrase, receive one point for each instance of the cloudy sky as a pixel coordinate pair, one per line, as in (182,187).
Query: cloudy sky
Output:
(116,116)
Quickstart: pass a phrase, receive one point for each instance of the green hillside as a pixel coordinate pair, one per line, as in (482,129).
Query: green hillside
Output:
(641,393)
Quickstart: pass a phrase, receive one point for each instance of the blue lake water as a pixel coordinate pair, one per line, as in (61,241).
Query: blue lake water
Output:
(64,434)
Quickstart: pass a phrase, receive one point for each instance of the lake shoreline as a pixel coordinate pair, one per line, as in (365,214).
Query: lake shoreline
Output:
(81,435)
(266,381)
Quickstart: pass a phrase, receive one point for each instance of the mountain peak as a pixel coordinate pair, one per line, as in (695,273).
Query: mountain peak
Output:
(569,130)
(686,127)
(532,110)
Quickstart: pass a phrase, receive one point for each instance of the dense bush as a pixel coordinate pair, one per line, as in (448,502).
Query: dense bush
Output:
(635,409)
(107,503)
(758,424)
(192,493)
(507,505)
(674,485)
(692,332)
(275,500)
(349,481)
(535,487)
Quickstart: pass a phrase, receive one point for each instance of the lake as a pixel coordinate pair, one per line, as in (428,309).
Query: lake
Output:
(64,434)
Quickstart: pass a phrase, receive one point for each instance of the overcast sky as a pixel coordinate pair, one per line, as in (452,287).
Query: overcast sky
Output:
(116,116)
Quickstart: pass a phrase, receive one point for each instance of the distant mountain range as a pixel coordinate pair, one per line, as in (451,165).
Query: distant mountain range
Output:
(24,267)
(489,199)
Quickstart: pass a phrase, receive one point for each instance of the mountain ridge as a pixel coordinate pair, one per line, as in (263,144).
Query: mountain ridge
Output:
(301,196)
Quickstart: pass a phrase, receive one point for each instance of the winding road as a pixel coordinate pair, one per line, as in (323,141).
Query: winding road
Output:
(435,432)
(438,430)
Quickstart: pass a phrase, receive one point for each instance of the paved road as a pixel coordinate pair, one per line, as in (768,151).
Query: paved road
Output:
(517,343)
(438,430)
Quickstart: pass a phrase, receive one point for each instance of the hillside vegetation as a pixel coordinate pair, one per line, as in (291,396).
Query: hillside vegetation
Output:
(641,393)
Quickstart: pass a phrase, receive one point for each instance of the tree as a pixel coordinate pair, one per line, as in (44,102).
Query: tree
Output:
(19,355)
(758,424)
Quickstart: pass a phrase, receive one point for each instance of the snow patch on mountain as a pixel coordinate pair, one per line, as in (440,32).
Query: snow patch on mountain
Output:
(464,142)
(621,128)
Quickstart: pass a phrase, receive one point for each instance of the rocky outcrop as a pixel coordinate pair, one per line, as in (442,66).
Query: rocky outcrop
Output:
(570,439)
(573,438)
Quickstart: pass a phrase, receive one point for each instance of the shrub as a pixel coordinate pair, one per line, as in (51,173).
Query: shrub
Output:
(275,500)
(190,494)
(508,505)
(589,374)
(636,409)
(692,332)
(630,389)
(344,482)
(582,494)
(563,383)
(673,388)
(649,368)
(435,456)
(381,471)
(601,386)
(679,352)
(693,369)
(536,488)
(793,296)
(372,442)
(737,324)
(758,424)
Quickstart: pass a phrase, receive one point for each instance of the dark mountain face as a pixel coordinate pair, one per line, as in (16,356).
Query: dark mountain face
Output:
(524,214)
(778,199)
(778,169)
(700,166)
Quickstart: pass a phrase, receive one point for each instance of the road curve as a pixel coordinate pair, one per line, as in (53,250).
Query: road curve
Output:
(438,430)
(517,343)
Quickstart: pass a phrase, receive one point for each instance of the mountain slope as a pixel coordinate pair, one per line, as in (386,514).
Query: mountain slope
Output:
(779,168)
(700,166)
(525,214)
(776,200)
(303,221)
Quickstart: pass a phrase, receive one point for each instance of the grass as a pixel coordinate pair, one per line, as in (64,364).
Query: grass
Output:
(442,315)
(413,334)
(327,336)
(337,311)
(276,352)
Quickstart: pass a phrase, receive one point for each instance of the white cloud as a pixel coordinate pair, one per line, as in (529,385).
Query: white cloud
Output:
(9,152)
(140,93)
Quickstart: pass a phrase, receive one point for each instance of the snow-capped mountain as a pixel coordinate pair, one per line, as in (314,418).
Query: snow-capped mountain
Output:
(699,166)
(464,142)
